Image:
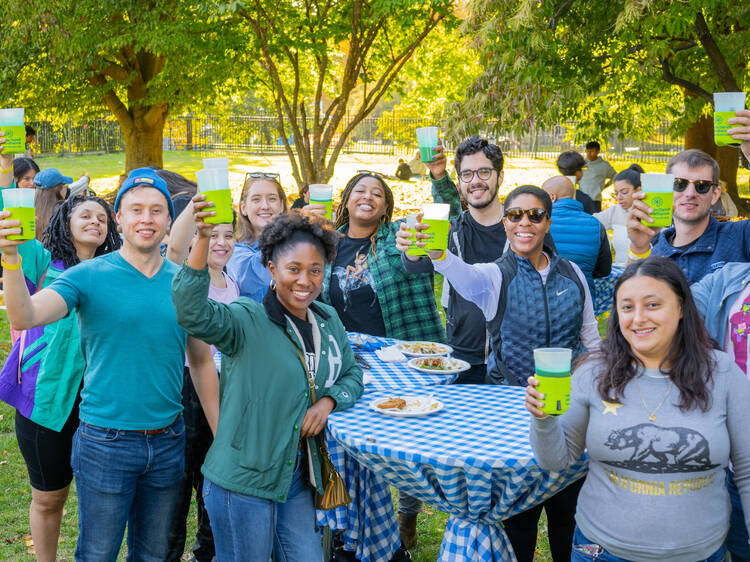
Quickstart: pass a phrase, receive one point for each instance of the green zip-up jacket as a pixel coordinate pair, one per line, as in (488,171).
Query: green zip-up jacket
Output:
(264,391)
(407,300)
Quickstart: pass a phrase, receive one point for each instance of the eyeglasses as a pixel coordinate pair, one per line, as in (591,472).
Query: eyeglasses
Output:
(256,175)
(701,186)
(482,173)
(516,214)
(371,173)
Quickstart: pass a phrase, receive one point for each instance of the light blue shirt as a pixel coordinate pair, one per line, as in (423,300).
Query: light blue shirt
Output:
(131,341)
(247,269)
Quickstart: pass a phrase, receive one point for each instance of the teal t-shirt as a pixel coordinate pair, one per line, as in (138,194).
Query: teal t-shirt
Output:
(131,341)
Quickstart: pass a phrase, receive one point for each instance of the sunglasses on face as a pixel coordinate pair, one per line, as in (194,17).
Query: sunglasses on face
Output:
(256,175)
(482,173)
(701,186)
(516,214)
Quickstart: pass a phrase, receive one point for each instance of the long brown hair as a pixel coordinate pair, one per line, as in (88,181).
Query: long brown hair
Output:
(245,231)
(342,213)
(45,203)
(690,355)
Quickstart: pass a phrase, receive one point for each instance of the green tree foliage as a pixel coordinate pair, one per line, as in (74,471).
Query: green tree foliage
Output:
(617,65)
(325,65)
(139,59)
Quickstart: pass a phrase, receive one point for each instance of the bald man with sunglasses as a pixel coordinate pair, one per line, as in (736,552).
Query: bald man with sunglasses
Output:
(696,241)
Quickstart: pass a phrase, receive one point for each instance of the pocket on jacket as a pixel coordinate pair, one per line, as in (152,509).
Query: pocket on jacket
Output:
(260,444)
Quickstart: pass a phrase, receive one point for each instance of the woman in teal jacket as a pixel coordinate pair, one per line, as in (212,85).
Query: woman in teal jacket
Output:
(81,228)
(265,455)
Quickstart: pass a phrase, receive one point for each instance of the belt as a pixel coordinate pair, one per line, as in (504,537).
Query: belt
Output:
(143,431)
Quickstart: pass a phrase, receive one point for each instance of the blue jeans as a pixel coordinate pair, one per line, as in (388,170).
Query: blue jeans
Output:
(737,538)
(251,528)
(126,477)
(585,550)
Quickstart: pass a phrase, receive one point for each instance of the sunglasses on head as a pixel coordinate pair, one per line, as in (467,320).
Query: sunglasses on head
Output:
(256,175)
(516,214)
(371,173)
(701,186)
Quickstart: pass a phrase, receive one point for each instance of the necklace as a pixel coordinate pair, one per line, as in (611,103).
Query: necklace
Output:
(652,413)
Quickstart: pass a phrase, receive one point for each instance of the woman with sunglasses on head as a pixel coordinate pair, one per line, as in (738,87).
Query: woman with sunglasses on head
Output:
(80,229)
(287,365)
(530,297)
(661,412)
(262,199)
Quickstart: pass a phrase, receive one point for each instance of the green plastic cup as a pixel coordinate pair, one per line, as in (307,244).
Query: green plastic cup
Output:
(552,370)
(411,222)
(659,190)
(725,106)
(322,194)
(20,203)
(427,139)
(436,215)
(214,184)
(11,123)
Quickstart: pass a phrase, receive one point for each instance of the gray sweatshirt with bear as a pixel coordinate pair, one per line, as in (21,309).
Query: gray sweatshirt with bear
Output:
(655,489)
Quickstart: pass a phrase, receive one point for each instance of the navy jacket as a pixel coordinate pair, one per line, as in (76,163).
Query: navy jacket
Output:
(720,243)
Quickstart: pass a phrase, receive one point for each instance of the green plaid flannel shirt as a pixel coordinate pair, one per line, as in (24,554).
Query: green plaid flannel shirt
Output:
(407,301)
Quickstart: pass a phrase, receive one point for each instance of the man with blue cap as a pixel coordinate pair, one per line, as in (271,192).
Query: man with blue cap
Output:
(128,452)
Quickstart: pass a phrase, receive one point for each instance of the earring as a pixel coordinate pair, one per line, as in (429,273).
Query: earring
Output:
(273,285)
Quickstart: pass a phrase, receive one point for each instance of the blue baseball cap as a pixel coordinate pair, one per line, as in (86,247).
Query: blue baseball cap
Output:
(145,177)
(49,178)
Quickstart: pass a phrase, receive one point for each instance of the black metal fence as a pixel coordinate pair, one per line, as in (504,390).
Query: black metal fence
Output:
(388,134)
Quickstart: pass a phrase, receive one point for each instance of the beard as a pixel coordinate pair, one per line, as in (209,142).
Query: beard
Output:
(481,205)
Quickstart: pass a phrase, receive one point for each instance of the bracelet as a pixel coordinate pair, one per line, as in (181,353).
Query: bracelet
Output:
(442,257)
(635,256)
(11,266)
(5,170)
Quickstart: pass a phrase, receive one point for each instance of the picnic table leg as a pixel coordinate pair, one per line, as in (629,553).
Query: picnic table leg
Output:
(470,541)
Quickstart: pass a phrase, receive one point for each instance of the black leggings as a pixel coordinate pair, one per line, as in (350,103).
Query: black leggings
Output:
(47,452)
(561,509)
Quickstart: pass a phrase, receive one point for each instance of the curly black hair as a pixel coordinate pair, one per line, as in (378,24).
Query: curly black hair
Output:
(57,237)
(288,230)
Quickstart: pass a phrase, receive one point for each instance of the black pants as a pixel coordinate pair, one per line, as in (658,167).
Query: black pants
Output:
(198,439)
(476,375)
(597,206)
(561,509)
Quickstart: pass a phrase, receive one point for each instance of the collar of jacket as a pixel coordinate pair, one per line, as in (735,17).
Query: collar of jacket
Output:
(276,311)
(706,242)
(567,203)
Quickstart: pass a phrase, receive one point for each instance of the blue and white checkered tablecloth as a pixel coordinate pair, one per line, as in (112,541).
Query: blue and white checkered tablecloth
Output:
(472,459)
(604,288)
(369,522)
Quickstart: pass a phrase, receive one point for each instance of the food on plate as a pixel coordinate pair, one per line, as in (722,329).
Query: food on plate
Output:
(436,363)
(424,347)
(394,402)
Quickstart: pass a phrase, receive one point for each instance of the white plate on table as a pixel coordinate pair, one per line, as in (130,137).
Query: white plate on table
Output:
(417,405)
(450,365)
(423,348)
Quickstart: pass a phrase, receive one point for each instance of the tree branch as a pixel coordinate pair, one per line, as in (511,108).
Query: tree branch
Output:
(114,104)
(720,66)
(562,9)
(670,78)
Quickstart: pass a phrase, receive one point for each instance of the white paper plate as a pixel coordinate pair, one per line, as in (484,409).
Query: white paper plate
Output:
(432,406)
(456,365)
(407,348)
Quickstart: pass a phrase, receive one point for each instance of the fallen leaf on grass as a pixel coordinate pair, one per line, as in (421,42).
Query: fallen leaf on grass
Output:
(11,541)
(28,541)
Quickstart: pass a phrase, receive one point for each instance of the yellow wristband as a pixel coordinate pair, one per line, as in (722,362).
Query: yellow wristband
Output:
(4,170)
(11,266)
(635,256)
(441,258)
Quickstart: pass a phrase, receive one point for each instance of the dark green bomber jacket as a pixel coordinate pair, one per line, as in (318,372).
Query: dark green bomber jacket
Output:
(264,391)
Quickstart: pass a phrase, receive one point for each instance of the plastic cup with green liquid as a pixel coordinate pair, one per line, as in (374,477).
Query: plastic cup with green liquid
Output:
(552,370)
(322,194)
(427,139)
(214,184)
(659,190)
(725,106)
(437,216)
(11,123)
(20,203)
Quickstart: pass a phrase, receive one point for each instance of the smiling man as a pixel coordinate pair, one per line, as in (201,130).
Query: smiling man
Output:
(696,241)
(128,451)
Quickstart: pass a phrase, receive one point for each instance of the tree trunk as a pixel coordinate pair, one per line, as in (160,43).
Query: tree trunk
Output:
(144,141)
(701,135)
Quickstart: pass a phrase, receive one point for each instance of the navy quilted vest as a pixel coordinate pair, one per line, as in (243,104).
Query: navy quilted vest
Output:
(532,314)
(576,236)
